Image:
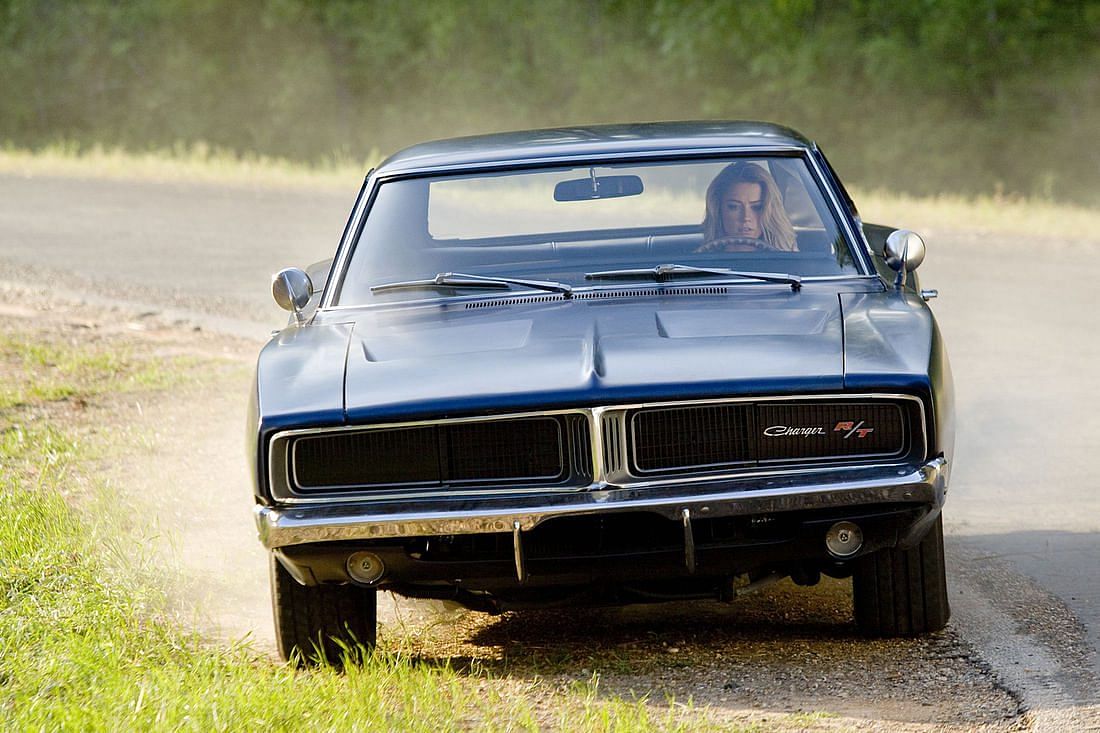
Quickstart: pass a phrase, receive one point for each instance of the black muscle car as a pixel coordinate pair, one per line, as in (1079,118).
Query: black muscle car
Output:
(608,364)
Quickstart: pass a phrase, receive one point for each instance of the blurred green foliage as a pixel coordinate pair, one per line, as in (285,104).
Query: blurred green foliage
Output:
(920,96)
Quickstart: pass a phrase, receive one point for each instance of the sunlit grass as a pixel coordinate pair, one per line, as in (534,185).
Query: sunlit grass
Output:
(87,642)
(77,652)
(41,371)
(195,162)
(81,650)
(984,214)
(806,720)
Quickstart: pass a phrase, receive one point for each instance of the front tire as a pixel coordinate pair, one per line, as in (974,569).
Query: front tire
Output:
(898,592)
(321,623)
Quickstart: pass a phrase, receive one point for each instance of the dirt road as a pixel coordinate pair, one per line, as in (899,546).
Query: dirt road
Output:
(1022,517)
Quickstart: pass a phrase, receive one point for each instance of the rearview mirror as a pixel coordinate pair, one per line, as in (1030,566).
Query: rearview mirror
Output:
(598,187)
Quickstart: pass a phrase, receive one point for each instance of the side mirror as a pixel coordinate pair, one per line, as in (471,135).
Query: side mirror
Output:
(903,252)
(292,290)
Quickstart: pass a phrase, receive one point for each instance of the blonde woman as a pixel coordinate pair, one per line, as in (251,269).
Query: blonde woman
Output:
(745,212)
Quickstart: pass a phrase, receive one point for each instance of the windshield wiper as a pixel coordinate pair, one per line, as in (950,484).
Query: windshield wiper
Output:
(660,273)
(462,280)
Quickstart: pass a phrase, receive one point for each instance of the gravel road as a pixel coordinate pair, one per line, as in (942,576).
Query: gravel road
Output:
(1023,526)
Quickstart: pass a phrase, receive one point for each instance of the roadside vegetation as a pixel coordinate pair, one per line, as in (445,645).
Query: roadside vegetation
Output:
(1043,219)
(86,642)
(988,213)
(937,96)
(41,372)
(186,163)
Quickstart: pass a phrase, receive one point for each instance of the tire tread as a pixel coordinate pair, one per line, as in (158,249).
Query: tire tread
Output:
(322,622)
(898,592)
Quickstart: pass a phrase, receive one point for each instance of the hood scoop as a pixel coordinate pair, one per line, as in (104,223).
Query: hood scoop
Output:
(602,295)
(431,361)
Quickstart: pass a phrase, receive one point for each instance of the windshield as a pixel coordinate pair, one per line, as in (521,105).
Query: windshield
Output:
(759,214)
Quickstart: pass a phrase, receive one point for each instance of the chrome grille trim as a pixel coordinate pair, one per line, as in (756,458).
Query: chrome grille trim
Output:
(610,431)
(580,433)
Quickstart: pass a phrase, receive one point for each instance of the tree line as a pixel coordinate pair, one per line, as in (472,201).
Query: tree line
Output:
(921,96)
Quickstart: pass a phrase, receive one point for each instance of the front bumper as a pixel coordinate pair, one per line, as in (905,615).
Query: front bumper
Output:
(924,485)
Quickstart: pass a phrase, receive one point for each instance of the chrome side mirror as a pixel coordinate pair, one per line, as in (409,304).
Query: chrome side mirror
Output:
(292,290)
(903,252)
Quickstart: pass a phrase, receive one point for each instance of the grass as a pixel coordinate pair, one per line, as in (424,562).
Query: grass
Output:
(77,651)
(86,642)
(808,719)
(187,163)
(37,371)
(992,213)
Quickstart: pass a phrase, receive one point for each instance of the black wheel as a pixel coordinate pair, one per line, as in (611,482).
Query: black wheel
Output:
(320,623)
(899,592)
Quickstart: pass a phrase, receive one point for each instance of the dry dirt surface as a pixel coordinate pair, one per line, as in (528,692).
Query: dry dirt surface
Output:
(787,658)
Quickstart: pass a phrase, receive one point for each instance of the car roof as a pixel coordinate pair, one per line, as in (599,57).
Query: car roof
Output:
(534,146)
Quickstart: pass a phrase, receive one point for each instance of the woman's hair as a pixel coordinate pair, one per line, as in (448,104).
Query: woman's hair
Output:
(775,227)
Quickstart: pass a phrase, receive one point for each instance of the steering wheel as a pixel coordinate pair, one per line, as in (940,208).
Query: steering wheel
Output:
(733,244)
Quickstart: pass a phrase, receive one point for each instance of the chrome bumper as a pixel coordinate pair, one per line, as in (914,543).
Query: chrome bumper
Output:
(297,525)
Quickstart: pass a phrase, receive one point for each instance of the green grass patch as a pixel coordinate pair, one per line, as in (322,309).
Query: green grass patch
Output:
(81,651)
(197,162)
(38,371)
(806,720)
(86,642)
(76,652)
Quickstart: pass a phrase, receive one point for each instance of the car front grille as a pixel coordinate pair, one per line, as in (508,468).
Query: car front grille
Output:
(698,438)
(560,451)
(851,430)
(535,450)
(692,437)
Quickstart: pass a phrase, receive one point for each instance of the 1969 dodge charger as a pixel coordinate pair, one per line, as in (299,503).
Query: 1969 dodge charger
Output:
(602,365)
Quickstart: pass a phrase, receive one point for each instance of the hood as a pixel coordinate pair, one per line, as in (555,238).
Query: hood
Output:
(456,359)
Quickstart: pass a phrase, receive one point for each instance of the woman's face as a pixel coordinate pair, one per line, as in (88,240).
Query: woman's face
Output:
(742,206)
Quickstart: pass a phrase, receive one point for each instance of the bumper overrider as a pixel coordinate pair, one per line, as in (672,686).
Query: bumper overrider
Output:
(923,486)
